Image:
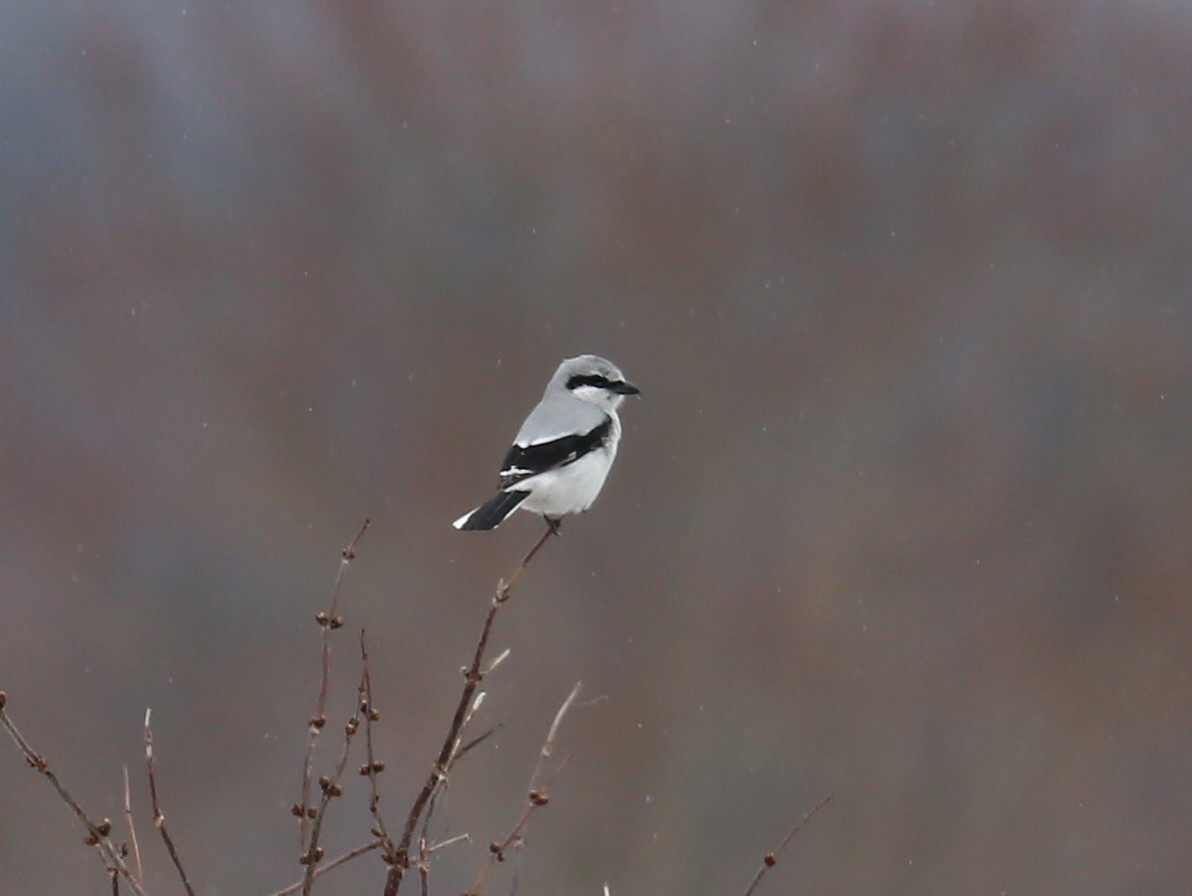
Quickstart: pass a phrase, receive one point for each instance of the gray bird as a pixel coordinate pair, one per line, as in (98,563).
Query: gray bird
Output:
(564,450)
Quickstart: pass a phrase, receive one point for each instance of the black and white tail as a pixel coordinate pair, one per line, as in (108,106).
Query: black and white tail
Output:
(492,513)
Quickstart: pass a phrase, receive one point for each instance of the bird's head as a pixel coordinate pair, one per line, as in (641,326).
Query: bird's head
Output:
(593,379)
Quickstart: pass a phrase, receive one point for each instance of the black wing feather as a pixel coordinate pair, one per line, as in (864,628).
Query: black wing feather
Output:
(521,463)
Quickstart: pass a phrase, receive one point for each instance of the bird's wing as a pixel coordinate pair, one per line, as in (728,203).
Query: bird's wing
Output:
(524,461)
(556,417)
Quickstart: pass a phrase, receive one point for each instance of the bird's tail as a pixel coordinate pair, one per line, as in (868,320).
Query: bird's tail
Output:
(492,513)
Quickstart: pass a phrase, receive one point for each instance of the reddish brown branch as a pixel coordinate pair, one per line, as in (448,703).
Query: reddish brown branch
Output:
(770,859)
(331,788)
(328,621)
(372,768)
(399,859)
(159,820)
(329,865)
(537,796)
(98,833)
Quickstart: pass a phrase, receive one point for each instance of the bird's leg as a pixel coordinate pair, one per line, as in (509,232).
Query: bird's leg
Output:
(554,523)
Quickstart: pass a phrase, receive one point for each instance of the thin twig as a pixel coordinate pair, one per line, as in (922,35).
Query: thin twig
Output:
(457,749)
(159,820)
(327,866)
(112,870)
(457,753)
(450,841)
(504,587)
(537,796)
(97,832)
(331,788)
(548,745)
(422,862)
(399,859)
(423,868)
(372,768)
(477,741)
(770,859)
(328,621)
(132,828)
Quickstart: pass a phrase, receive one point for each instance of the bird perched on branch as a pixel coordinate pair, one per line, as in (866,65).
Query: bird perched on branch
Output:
(564,450)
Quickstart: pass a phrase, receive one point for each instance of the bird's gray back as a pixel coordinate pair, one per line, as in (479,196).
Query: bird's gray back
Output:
(559,415)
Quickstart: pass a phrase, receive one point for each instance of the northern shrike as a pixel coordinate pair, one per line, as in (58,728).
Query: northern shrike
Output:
(564,450)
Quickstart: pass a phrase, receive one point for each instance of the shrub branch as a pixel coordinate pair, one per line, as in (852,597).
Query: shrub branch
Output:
(399,858)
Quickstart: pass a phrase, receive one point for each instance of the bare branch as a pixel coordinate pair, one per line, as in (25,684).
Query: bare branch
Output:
(328,866)
(97,832)
(399,859)
(537,797)
(504,587)
(477,741)
(497,660)
(331,788)
(450,841)
(372,768)
(771,858)
(159,820)
(132,828)
(548,745)
(328,621)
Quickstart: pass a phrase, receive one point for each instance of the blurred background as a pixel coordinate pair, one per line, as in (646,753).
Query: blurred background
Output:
(903,514)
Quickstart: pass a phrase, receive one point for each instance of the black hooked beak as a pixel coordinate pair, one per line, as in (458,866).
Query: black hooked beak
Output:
(624,388)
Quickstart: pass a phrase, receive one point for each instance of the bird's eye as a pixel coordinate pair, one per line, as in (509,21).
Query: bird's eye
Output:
(588,379)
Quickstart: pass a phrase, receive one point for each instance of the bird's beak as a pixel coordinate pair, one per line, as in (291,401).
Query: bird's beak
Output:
(626,389)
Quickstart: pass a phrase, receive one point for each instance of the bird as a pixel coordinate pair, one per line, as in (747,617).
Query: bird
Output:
(564,449)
